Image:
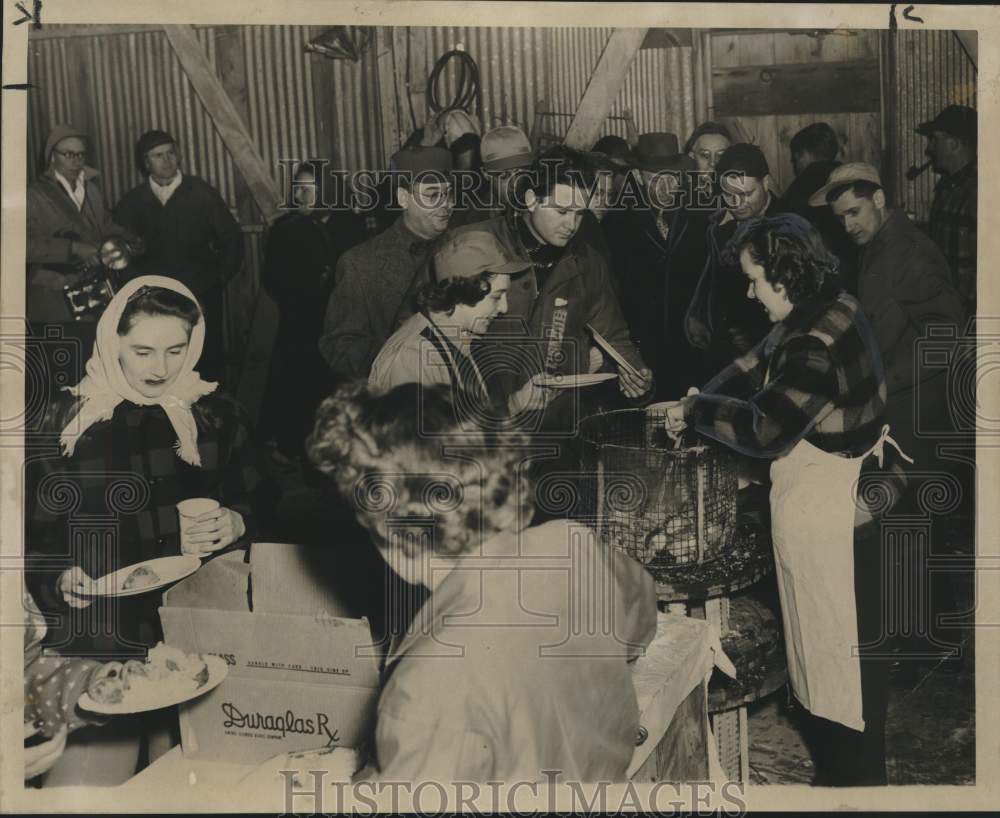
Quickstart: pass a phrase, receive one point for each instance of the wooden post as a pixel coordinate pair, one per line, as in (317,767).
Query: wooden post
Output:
(225,118)
(604,85)
(701,80)
(232,68)
(410,52)
(386,65)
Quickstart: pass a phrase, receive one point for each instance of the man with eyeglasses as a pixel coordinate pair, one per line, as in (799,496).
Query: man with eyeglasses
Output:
(67,222)
(374,282)
(189,232)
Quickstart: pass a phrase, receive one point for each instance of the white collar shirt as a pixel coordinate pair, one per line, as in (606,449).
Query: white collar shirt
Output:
(77,192)
(164,192)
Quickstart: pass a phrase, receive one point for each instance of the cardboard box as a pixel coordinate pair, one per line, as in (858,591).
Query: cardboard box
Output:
(300,675)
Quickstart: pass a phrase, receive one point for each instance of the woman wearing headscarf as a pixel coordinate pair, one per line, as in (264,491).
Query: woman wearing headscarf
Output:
(811,398)
(141,432)
(512,667)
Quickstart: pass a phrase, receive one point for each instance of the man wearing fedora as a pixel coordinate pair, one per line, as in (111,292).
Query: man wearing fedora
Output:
(951,146)
(189,234)
(658,255)
(721,320)
(507,157)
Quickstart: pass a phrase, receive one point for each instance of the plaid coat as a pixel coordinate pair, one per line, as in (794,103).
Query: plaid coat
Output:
(112,504)
(953,227)
(817,376)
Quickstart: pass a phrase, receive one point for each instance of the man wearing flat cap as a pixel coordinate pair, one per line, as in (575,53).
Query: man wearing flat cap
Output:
(951,147)
(375,281)
(905,290)
(189,234)
(721,320)
(658,255)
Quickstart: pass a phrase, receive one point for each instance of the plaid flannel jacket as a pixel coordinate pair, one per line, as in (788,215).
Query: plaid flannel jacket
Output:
(112,504)
(816,376)
(953,227)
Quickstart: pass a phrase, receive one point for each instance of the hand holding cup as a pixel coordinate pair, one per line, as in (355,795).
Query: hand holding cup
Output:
(206,527)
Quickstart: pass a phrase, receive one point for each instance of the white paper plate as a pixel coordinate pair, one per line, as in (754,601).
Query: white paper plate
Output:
(573,381)
(154,698)
(168,569)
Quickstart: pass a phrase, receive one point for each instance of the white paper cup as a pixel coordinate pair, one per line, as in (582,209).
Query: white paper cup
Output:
(188,511)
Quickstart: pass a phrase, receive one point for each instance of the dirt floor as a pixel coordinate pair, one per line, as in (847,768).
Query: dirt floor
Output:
(931,720)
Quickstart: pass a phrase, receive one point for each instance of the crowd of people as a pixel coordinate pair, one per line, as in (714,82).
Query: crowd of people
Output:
(782,326)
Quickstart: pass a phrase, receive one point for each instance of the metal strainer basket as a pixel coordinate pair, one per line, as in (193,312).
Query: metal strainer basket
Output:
(656,502)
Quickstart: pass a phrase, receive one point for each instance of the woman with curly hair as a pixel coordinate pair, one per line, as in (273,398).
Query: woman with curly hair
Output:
(500,676)
(139,433)
(435,346)
(811,398)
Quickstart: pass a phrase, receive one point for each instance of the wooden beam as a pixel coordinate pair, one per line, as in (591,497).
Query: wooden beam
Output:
(225,118)
(60,31)
(386,67)
(604,85)
(969,41)
(803,88)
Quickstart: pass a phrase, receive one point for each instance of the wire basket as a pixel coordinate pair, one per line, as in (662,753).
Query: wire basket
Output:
(655,502)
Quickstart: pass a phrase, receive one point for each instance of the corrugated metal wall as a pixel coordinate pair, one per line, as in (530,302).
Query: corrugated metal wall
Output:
(132,83)
(659,88)
(297,104)
(933,71)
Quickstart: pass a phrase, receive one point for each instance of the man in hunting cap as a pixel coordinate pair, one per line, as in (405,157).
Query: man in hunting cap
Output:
(189,234)
(375,281)
(952,138)
(67,221)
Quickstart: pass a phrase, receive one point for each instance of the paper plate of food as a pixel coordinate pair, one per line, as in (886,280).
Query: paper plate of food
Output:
(168,676)
(142,577)
(573,381)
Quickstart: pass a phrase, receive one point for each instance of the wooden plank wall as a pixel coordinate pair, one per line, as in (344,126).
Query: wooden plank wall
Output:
(859,132)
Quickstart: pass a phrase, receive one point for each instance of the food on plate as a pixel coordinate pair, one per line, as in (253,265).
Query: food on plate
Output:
(166,672)
(141,577)
(108,687)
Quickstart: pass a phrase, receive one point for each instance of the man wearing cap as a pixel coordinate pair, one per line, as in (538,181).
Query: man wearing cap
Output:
(905,289)
(375,280)
(814,152)
(952,138)
(189,234)
(67,221)
(507,156)
(658,256)
(904,286)
(721,320)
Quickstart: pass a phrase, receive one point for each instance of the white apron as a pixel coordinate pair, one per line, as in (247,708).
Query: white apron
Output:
(813,497)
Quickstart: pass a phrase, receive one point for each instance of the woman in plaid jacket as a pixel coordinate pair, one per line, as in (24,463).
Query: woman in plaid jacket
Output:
(811,399)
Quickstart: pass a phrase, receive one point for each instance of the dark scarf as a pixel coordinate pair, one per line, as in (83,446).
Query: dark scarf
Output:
(544,257)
